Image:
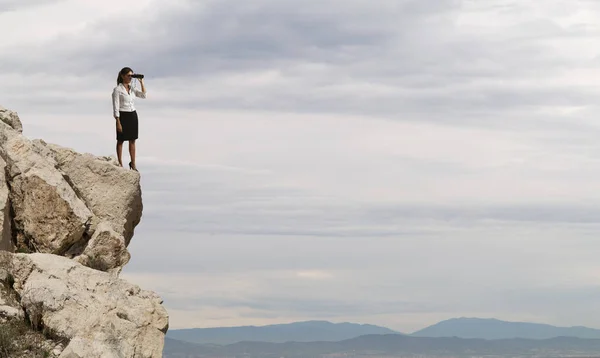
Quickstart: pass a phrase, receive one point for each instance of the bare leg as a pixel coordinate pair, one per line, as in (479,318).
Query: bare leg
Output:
(132,153)
(120,152)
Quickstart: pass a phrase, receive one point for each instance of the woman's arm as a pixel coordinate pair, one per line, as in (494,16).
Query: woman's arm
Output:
(116,114)
(142,93)
(115,103)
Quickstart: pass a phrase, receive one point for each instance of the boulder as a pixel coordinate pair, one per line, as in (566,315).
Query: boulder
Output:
(99,314)
(48,215)
(112,194)
(11,118)
(106,250)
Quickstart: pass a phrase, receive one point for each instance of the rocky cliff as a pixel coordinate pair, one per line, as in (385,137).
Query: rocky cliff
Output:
(66,220)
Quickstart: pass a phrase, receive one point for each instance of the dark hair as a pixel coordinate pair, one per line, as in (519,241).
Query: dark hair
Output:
(123,72)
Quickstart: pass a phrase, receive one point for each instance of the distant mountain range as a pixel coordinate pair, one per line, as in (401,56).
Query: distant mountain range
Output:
(312,331)
(298,332)
(496,329)
(391,345)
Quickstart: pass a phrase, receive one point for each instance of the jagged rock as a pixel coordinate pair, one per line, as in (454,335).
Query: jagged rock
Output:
(106,250)
(111,193)
(48,215)
(100,315)
(72,210)
(5,231)
(59,198)
(11,118)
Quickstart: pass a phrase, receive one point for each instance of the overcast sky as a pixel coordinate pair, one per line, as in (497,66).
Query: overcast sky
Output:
(386,162)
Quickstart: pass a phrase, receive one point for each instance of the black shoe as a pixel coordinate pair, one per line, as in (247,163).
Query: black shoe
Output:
(131,167)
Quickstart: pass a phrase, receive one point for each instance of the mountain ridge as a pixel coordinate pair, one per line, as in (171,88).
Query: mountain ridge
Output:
(304,331)
(492,328)
(321,330)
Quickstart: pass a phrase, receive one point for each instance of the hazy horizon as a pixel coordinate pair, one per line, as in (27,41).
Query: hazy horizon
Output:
(411,332)
(389,163)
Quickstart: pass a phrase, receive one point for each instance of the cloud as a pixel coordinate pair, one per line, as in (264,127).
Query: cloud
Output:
(14,5)
(384,162)
(414,62)
(499,275)
(315,275)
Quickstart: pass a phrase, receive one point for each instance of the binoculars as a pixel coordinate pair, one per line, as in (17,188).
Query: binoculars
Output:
(137,75)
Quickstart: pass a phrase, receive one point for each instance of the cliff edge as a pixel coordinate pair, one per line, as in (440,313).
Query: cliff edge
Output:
(66,220)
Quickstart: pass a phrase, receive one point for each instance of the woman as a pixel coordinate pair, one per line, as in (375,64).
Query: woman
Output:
(125,114)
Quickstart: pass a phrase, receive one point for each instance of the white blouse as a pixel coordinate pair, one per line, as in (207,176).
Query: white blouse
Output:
(123,101)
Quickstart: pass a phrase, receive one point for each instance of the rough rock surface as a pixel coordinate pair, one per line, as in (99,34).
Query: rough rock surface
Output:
(62,211)
(111,193)
(49,216)
(105,251)
(66,203)
(101,315)
(11,118)
(17,338)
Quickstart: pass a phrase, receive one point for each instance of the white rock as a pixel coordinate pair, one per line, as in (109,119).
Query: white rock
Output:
(106,250)
(112,193)
(49,215)
(59,202)
(11,118)
(101,315)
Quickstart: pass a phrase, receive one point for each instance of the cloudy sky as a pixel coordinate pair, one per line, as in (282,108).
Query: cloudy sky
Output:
(374,161)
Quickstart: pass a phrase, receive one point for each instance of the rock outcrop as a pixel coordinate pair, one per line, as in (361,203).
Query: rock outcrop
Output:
(66,220)
(48,215)
(11,118)
(99,314)
(66,203)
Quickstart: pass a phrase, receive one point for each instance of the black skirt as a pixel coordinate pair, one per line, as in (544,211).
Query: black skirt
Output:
(129,123)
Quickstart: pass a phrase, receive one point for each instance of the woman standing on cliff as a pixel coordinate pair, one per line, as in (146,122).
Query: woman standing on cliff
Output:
(125,114)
